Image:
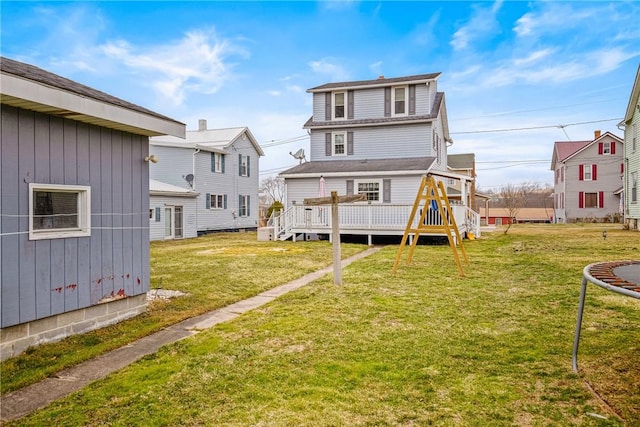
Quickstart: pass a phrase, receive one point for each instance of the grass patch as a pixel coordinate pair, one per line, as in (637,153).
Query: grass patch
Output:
(214,270)
(419,347)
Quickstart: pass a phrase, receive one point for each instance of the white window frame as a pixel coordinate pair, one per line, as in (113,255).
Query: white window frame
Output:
(333,143)
(216,201)
(356,189)
(83,210)
(606,148)
(591,195)
(244,205)
(334,105)
(406,100)
(634,188)
(243,166)
(588,170)
(217,162)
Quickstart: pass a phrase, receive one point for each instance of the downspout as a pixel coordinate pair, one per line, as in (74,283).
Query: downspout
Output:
(193,187)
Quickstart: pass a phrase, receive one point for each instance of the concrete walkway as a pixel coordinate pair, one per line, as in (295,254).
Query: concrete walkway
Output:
(24,401)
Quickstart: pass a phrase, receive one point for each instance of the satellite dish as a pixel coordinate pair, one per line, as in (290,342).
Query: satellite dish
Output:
(189,179)
(299,155)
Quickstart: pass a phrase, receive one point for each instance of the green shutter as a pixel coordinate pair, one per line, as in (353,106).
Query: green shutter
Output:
(208,201)
(222,156)
(225,201)
(157,214)
(213,162)
(248,205)
(240,164)
(248,166)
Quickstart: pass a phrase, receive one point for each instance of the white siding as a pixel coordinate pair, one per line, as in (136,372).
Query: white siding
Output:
(633,164)
(424,99)
(380,142)
(403,188)
(368,103)
(173,164)
(156,225)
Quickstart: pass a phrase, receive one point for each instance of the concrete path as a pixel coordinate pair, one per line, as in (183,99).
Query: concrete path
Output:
(26,400)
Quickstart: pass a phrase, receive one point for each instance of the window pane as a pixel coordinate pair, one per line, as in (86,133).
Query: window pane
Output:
(55,210)
(590,200)
(399,100)
(371,189)
(339,105)
(339,144)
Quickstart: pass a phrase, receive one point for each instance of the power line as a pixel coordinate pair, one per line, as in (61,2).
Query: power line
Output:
(534,127)
(284,141)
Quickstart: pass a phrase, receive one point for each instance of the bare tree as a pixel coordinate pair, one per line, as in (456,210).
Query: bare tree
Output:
(273,189)
(514,198)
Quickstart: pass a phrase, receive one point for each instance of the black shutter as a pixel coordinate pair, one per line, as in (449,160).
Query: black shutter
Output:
(327,106)
(248,166)
(387,102)
(213,162)
(349,187)
(225,201)
(248,205)
(350,143)
(350,105)
(239,204)
(386,191)
(412,100)
(222,156)
(327,144)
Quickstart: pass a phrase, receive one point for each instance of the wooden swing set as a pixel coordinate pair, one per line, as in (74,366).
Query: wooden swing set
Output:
(432,196)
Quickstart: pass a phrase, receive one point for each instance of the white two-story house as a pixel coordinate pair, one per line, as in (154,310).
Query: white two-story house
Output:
(588,183)
(220,167)
(375,137)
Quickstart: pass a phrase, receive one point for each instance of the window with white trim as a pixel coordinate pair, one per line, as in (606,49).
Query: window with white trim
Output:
(339,144)
(370,188)
(243,207)
(216,201)
(634,187)
(244,166)
(606,148)
(591,200)
(399,100)
(587,172)
(218,163)
(339,99)
(59,211)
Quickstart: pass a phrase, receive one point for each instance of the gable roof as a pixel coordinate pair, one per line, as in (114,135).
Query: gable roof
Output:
(214,140)
(379,82)
(32,88)
(634,98)
(413,165)
(565,150)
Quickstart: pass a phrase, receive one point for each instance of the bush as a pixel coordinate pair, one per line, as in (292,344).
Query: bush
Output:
(275,206)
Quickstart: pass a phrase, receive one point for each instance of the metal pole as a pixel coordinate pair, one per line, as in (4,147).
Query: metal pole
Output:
(576,340)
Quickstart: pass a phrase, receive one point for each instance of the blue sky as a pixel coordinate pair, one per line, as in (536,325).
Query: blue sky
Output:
(560,70)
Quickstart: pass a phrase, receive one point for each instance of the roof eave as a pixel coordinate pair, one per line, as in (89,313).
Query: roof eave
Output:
(35,96)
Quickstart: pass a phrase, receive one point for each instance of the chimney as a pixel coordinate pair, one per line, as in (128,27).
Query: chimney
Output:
(597,134)
(202,125)
(380,77)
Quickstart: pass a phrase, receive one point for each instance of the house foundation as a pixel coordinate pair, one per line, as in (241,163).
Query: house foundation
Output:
(16,339)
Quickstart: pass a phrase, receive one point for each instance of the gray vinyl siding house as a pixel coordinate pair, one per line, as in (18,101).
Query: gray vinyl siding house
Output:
(588,179)
(631,124)
(74,206)
(222,166)
(378,137)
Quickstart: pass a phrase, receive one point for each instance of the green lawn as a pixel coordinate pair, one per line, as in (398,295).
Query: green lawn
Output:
(419,347)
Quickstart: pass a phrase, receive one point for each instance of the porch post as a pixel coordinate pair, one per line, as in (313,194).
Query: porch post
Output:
(335,232)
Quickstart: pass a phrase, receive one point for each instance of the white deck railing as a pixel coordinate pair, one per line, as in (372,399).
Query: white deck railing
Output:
(364,219)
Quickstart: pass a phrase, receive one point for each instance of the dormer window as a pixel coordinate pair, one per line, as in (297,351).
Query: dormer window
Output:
(338,105)
(399,100)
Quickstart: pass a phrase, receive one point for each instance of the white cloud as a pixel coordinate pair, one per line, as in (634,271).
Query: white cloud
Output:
(328,67)
(198,62)
(376,67)
(482,24)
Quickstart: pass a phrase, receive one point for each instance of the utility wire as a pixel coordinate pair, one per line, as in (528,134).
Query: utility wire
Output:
(534,127)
